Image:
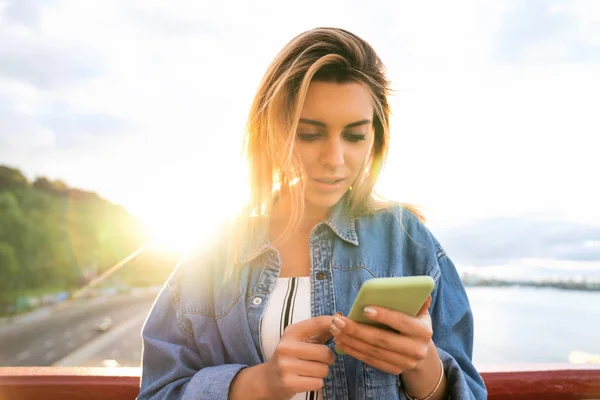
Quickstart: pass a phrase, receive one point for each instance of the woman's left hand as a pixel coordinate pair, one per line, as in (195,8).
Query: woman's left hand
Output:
(390,351)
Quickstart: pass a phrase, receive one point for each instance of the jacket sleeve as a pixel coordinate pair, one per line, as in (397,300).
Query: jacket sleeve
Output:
(453,332)
(175,364)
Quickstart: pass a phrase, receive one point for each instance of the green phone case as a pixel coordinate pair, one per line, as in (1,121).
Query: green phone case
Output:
(406,294)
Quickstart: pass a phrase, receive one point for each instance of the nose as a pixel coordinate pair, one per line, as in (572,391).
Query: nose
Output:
(332,155)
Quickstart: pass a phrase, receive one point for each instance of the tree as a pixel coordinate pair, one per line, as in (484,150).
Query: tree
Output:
(51,233)
(9,266)
(55,187)
(11,177)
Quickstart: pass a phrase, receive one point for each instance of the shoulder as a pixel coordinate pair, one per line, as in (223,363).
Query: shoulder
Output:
(402,227)
(399,216)
(199,274)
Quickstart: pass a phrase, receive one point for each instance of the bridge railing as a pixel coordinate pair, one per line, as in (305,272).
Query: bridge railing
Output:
(537,382)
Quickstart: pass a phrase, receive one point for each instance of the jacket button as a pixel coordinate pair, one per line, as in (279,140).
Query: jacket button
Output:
(321,275)
(256,301)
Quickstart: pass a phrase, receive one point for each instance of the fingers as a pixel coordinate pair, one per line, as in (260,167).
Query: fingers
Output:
(309,369)
(301,384)
(382,364)
(305,351)
(320,338)
(419,326)
(301,360)
(355,334)
(403,352)
(315,330)
(425,308)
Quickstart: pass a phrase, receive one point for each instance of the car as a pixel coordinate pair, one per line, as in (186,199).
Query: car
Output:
(105,324)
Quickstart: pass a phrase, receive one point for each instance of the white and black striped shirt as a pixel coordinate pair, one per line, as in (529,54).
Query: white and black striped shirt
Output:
(288,304)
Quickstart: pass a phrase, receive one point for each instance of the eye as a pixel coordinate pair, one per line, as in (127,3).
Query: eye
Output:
(308,137)
(354,137)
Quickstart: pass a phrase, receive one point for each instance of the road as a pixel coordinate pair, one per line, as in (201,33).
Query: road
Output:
(529,334)
(68,336)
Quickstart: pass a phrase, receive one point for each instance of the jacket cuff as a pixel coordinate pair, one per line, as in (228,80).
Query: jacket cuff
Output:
(212,382)
(458,380)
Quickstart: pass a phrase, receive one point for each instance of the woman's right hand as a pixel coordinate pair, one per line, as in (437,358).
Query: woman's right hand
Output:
(301,359)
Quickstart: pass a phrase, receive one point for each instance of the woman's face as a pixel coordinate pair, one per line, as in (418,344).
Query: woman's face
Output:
(334,139)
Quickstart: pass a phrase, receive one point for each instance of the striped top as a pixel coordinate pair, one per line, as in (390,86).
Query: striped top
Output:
(288,304)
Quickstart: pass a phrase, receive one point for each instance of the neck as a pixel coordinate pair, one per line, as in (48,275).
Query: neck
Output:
(312,215)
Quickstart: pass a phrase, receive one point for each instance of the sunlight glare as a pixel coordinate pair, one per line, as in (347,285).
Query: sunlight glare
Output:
(184,217)
(173,236)
(180,227)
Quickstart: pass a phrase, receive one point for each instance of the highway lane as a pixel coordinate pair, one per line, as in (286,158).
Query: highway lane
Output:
(71,331)
(122,347)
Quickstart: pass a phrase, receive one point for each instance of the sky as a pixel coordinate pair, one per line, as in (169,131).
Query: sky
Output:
(495,110)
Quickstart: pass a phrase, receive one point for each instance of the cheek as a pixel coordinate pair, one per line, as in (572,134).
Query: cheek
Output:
(356,158)
(308,155)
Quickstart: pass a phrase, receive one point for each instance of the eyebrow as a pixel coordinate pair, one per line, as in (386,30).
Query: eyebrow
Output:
(323,125)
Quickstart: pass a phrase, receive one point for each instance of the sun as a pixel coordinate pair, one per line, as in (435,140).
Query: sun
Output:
(183,218)
(178,227)
(173,237)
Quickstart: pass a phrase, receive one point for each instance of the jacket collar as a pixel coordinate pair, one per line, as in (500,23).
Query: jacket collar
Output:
(340,220)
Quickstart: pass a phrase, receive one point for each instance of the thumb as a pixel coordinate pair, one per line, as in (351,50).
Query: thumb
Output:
(314,330)
(320,338)
(425,308)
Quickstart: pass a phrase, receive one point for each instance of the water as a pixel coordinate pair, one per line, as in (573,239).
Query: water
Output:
(524,325)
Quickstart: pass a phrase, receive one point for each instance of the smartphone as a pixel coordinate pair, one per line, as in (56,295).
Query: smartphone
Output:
(406,294)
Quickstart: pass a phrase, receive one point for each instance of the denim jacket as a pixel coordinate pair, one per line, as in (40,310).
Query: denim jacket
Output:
(202,330)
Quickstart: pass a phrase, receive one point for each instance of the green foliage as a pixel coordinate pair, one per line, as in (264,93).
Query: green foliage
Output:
(9,265)
(11,177)
(53,236)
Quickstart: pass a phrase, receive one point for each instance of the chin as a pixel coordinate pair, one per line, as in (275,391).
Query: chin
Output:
(323,201)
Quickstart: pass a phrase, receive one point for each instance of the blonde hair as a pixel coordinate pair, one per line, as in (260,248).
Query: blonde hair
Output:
(321,54)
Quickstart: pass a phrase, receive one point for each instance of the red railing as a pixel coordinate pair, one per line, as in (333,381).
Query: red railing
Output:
(71,383)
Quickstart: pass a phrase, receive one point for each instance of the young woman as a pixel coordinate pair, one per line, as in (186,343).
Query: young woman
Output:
(256,314)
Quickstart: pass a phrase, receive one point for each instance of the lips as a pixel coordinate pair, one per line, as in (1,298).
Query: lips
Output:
(328,185)
(329,181)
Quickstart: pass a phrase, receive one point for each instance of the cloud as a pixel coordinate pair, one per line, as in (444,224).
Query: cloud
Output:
(51,126)
(550,31)
(26,12)
(76,130)
(46,67)
(499,241)
(159,22)
(41,63)
(20,129)
(476,131)
(33,54)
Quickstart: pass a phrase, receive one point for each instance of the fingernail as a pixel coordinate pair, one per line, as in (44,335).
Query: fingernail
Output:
(370,312)
(334,330)
(313,339)
(338,322)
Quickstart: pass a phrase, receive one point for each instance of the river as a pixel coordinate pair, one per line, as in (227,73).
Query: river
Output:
(515,325)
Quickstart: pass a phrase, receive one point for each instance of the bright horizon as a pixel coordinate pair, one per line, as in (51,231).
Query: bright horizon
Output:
(494,114)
